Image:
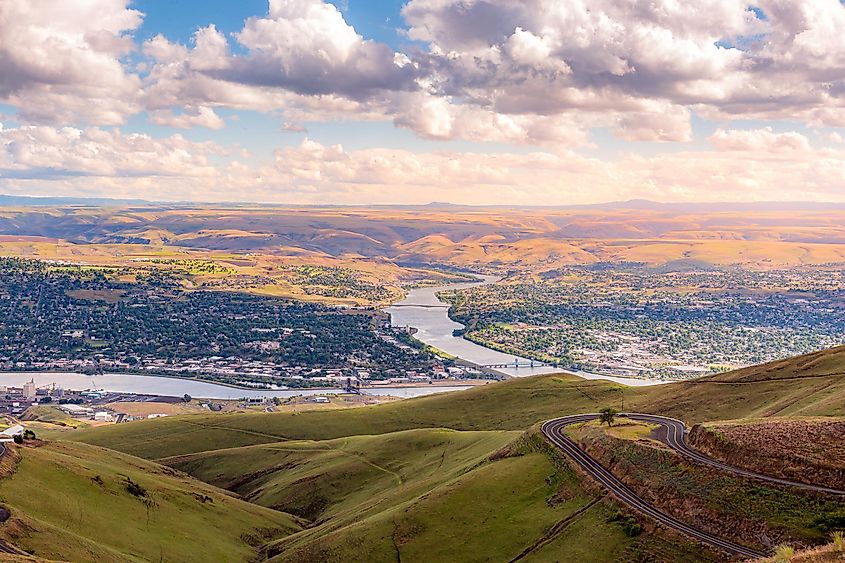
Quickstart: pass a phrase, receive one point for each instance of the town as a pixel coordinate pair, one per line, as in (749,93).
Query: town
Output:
(90,404)
(58,318)
(634,321)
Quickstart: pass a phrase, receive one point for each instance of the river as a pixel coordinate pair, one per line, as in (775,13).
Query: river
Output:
(176,387)
(422,310)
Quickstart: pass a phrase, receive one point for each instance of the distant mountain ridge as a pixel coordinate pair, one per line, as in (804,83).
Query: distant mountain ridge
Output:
(7,200)
(527,239)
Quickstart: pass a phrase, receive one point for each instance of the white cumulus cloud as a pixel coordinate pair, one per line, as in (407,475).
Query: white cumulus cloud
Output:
(60,62)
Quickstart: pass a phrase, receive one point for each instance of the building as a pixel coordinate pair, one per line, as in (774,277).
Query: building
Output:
(9,434)
(29,389)
(255,400)
(103,416)
(76,410)
(696,371)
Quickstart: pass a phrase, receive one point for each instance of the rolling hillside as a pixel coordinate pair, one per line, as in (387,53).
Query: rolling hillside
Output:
(752,513)
(536,239)
(418,479)
(416,494)
(345,473)
(767,390)
(804,449)
(522,504)
(71,501)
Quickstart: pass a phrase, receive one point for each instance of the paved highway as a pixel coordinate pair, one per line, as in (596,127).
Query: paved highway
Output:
(676,438)
(4,548)
(553,430)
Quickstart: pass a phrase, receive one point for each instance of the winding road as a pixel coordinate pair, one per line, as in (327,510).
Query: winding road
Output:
(675,438)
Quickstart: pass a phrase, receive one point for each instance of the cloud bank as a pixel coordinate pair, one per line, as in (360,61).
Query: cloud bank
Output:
(543,74)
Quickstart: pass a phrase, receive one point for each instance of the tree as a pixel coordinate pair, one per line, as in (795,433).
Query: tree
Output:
(608,415)
(186,398)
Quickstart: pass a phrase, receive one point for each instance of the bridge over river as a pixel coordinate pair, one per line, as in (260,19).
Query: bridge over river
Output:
(516,364)
(423,311)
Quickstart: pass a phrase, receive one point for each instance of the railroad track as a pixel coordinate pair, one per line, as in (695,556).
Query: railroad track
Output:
(553,430)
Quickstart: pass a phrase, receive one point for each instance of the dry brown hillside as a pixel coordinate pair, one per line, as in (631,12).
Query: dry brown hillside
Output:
(534,238)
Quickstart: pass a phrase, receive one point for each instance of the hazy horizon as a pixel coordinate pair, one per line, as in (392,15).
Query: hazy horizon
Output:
(644,204)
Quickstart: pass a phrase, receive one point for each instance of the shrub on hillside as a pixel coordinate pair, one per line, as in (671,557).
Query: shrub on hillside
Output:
(629,523)
(135,489)
(838,538)
(784,553)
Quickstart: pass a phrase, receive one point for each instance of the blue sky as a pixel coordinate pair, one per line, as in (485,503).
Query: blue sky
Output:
(178,19)
(380,21)
(469,101)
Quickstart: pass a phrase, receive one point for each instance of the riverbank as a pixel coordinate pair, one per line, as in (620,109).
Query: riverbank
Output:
(178,387)
(422,310)
(143,373)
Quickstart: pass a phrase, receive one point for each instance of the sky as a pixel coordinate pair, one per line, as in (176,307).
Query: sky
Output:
(392,102)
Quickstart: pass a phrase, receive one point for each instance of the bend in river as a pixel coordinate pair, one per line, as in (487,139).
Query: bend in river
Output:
(422,310)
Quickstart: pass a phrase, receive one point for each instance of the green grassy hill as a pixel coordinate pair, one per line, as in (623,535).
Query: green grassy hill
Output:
(73,502)
(511,405)
(458,476)
(517,404)
(823,363)
(511,503)
(317,480)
